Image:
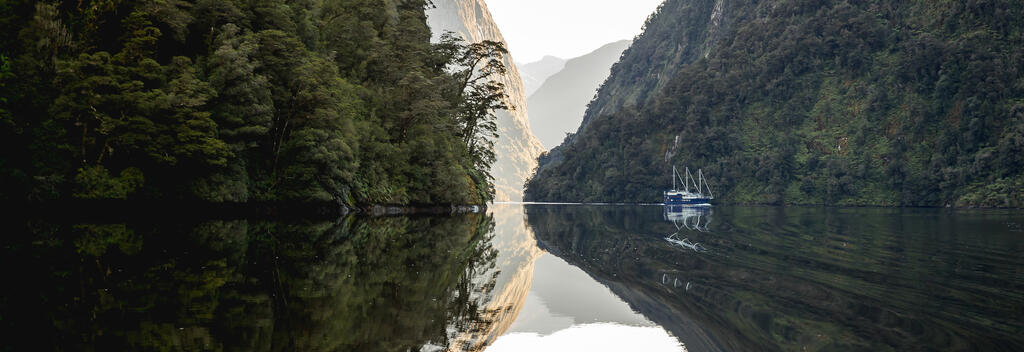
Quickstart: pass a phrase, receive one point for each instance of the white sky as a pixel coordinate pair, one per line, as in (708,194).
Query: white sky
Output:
(567,28)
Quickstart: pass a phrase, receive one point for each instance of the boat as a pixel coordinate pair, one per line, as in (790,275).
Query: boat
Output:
(696,197)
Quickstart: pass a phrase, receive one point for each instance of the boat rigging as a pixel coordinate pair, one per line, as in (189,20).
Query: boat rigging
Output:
(696,197)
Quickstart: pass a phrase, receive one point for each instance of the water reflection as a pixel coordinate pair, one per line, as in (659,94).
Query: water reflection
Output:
(537,277)
(566,309)
(508,278)
(687,218)
(694,218)
(804,278)
(370,284)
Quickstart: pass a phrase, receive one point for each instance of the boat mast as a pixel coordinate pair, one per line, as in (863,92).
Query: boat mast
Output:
(690,179)
(700,181)
(674,173)
(687,180)
(675,176)
(704,181)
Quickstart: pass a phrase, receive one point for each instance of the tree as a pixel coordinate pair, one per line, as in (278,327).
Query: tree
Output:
(475,66)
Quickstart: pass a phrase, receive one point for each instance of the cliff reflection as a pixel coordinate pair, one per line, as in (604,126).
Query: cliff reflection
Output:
(803,278)
(510,277)
(354,284)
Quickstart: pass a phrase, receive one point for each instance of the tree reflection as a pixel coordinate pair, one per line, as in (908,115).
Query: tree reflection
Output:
(354,284)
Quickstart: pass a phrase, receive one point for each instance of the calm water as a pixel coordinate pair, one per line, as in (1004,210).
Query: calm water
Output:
(534,277)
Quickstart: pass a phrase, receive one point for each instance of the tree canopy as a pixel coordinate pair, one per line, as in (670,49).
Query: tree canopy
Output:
(341,101)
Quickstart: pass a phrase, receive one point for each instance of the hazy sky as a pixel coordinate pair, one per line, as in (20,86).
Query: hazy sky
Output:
(567,28)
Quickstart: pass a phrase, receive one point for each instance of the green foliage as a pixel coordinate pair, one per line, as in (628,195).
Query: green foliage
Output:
(845,103)
(5,76)
(323,100)
(95,182)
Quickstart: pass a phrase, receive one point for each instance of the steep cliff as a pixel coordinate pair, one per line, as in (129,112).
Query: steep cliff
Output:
(878,102)
(558,105)
(516,148)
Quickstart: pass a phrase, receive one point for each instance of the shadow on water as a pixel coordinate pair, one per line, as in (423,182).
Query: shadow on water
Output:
(353,284)
(805,278)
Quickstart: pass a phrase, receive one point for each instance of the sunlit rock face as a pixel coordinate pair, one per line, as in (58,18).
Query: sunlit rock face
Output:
(516,149)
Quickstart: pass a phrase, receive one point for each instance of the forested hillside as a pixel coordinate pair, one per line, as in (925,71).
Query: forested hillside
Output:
(233,101)
(875,102)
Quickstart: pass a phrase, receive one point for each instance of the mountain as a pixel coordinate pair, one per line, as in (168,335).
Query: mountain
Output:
(876,102)
(535,73)
(558,105)
(516,148)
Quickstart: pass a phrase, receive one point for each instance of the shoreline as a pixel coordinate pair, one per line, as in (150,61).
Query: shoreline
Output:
(795,205)
(149,209)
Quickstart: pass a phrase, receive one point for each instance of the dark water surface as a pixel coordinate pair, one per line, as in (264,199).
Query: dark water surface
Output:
(533,277)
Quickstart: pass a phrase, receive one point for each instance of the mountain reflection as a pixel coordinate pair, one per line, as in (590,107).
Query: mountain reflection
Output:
(354,284)
(803,278)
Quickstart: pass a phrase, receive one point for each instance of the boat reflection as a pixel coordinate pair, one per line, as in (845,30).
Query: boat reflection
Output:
(688,218)
(696,218)
(685,243)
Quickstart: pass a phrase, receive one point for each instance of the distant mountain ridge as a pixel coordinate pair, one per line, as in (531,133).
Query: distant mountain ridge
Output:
(877,102)
(516,148)
(557,107)
(535,73)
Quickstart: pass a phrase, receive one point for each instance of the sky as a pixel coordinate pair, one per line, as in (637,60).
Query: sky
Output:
(567,28)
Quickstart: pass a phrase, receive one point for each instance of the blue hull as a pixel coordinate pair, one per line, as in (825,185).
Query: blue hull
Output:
(691,201)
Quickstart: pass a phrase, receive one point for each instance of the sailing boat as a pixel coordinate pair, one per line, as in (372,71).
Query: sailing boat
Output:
(696,197)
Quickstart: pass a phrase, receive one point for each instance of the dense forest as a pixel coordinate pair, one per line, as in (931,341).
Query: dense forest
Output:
(870,102)
(342,101)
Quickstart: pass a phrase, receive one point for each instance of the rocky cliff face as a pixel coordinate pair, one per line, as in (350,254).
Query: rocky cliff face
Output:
(516,149)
